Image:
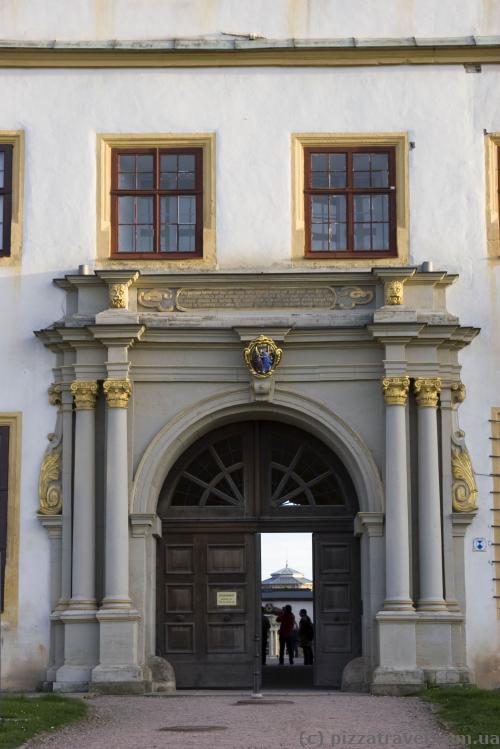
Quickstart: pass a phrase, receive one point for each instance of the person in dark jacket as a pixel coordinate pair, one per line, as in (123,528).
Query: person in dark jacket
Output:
(286,620)
(306,636)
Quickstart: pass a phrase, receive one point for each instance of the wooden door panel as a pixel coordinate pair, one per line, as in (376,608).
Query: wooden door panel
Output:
(337,605)
(206,607)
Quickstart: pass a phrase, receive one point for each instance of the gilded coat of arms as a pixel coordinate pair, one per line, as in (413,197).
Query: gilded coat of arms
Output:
(262,356)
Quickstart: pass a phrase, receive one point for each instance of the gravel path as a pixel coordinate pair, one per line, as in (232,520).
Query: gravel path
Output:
(315,720)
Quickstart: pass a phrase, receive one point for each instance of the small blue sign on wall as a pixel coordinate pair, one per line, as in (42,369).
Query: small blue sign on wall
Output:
(479,544)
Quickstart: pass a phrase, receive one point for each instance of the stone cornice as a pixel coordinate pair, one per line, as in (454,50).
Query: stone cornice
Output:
(250,52)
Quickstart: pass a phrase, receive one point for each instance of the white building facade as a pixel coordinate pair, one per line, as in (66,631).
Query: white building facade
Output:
(334,172)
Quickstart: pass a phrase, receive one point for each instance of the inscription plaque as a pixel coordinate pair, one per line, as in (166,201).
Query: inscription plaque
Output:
(226,598)
(255,298)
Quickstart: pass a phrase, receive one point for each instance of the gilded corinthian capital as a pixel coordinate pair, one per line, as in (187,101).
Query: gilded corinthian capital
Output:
(117,393)
(85,394)
(458,392)
(427,391)
(395,390)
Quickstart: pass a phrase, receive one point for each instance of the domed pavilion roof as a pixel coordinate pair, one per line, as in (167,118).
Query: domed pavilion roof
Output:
(288,578)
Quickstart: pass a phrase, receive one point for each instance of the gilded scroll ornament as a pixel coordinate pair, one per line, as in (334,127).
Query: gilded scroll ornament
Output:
(118,295)
(349,297)
(395,390)
(117,393)
(262,356)
(393,292)
(458,392)
(49,483)
(464,489)
(54,392)
(427,391)
(85,394)
(162,300)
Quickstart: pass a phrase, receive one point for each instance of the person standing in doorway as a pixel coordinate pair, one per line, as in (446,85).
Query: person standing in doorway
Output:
(286,620)
(306,636)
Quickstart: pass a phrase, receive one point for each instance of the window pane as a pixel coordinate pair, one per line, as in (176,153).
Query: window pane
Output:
(319,208)
(361,179)
(186,162)
(380,161)
(362,208)
(319,237)
(168,238)
(168,180)
(319,179)
(339,237)
(168,210)
(319,162)
(126,181)
(380,236)
(187,209)
(337,208)
(337,170)
(144,210)
(144,163)
(126,163)
(168,163)
(187,180)
(125,239)
(380,208)
(362,236)
(2,168)
(126,210)
(144,181)
(186,238)
(361,162)
(144,239)
(380,179)
(1,222)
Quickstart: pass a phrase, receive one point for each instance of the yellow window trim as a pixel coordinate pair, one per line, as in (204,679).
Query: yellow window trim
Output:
(492,143)
(329,140)
(9,614)
(105,143)
(15,138)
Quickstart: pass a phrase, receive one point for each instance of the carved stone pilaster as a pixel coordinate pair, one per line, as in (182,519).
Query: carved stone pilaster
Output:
(85,394)
(427,391)
(117,393)
(396,390)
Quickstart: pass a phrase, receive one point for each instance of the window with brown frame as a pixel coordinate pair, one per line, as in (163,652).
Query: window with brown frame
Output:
(5,198)
(350,202)
(157,203)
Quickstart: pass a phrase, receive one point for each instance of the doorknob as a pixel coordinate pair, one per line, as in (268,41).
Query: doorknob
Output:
(227,618)
(180,617)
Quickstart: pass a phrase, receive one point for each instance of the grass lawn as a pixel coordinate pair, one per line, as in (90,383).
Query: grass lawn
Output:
(23,717)
(469,712)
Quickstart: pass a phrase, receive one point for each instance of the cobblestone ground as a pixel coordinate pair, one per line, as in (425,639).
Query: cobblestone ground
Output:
(315,720)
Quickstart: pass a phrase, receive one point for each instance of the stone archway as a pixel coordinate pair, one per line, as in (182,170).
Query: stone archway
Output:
(169,444)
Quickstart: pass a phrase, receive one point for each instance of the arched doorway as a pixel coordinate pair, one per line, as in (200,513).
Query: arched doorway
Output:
(226,488)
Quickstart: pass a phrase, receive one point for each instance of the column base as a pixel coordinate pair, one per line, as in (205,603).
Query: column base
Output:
(81,642)
(118,671)
(397,682)
(431,604)
(398,604)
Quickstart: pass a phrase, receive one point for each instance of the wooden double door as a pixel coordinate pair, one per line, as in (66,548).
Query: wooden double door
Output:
(209,606)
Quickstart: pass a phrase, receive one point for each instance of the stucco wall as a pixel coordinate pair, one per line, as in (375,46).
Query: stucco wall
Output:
(123,19)
(253,113)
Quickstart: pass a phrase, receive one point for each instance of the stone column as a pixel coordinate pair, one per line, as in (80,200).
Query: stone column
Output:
(397,559)
(116,575)
(118,669)
(83,591)
(429,497)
